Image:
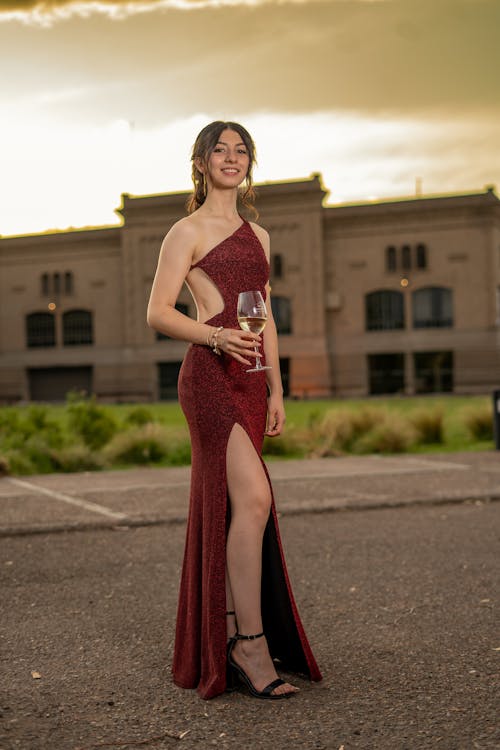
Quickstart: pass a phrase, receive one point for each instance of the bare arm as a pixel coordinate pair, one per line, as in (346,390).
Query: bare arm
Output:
(175,260)
(176,257)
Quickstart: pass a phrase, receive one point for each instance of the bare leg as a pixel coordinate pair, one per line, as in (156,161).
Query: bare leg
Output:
(230,619)
(250,499)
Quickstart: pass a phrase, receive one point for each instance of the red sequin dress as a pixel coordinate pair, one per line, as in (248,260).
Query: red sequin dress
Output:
(216,393)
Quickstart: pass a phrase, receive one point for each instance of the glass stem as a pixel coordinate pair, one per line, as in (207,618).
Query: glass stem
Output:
(258,365)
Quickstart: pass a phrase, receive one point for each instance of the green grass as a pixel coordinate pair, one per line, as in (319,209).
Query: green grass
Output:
(84,435)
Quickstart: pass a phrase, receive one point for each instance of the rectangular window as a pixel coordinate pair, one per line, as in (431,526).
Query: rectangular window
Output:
(386,373)
(282,314)
(285,375)
(181,307)
(421,256)
(390,258)
(433,372)
(68,283)
(168,374)
(406,257)
(277,266)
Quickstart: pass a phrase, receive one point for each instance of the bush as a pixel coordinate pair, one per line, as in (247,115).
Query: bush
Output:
(4,466)
(32,457)
(149,444)
(9,420)
(94,424)
(429,426)
(392,435)
(339,430)
(292,443)
(479,422)
(139,416)
(16,462)
(77,458)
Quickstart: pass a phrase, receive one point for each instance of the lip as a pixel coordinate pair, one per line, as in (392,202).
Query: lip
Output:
(230,170)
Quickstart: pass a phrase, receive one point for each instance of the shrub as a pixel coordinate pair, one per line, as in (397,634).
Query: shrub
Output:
(32,457)
(77,458)
(479,422)
(93,423)
(340,429)
(9,420)
(292,443)
(17,463)
(4,466)
(429,425)
(139,415)
(392,435)
(149,444)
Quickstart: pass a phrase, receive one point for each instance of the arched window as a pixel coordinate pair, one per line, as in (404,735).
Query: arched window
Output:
(390,258)
(384,310)
(282,314)
(40,329)
(432,307)
(56,282)
(77,328)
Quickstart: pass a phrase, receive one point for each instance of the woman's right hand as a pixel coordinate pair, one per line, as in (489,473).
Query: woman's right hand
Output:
(239,344)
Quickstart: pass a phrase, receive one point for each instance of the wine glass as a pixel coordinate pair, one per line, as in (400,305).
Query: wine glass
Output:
(252,317)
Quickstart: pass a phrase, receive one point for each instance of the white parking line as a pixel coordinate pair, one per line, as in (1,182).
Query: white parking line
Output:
(94,507)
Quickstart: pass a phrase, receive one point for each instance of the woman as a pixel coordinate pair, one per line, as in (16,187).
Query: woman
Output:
(234,584)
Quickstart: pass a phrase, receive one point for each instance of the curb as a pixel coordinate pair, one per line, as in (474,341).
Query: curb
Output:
(335,506)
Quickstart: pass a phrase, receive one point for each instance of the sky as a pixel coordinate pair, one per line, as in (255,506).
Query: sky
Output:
(102,98)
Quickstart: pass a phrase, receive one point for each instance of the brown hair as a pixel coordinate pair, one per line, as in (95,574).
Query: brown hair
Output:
(204,145)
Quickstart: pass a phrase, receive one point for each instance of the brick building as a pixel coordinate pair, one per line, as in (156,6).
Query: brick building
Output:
(400,296)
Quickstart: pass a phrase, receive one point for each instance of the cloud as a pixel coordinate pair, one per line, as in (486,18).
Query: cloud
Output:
(48,12)
(392,56)
(59,176)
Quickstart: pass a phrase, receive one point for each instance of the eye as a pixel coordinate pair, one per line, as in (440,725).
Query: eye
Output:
(218,149)
(242,151)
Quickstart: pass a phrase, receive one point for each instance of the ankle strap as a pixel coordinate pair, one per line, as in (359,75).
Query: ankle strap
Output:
(239,637)
(231,613)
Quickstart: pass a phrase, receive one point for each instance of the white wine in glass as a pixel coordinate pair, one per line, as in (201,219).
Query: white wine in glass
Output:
(252,317)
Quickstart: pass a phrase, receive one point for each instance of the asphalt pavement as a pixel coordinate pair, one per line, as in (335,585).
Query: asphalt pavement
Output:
(394,563)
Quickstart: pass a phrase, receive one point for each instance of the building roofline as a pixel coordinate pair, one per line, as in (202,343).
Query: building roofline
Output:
(487,196)
(76,234)
(270,189)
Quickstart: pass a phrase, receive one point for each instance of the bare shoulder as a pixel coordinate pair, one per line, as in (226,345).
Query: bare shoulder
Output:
(184,231)
(263,236)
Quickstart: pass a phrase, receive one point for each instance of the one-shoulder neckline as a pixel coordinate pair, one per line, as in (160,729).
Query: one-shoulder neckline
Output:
(229,236)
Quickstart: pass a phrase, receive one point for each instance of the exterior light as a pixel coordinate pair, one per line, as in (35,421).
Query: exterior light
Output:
(404,282)
(52,306)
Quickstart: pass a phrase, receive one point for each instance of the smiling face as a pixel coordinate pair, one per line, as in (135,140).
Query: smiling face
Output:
(229,161)
(223,157)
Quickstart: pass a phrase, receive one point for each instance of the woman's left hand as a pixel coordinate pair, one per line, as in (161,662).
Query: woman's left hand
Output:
(275,416)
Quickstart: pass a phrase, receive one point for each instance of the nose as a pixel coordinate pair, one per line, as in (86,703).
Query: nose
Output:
(230,156)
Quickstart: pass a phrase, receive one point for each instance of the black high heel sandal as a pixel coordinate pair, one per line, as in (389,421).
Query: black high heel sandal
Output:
(236,669)
(230,674)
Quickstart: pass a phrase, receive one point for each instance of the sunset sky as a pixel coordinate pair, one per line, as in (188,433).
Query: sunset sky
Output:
(100,98)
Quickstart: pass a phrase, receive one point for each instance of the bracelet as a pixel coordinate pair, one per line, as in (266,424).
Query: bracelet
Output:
(215,346)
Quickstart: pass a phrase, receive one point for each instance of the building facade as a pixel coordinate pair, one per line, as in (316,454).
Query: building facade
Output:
(390,297)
